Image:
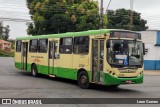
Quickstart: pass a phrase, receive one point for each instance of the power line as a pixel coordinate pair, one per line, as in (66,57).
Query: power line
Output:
(12,2)
(15,19)
(108,6)
(153,19)
(11,5)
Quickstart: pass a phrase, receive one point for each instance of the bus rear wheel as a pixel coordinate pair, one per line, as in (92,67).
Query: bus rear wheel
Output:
(83,80)
(34,71)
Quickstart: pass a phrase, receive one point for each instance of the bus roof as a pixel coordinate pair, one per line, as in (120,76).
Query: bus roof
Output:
(71,34)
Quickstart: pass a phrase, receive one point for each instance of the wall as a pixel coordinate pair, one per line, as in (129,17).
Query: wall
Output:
(152,57)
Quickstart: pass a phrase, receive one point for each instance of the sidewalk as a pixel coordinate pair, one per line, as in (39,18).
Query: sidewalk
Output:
(152,72)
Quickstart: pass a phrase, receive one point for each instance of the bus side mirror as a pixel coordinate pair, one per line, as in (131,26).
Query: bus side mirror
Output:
(108,44)
(143,49)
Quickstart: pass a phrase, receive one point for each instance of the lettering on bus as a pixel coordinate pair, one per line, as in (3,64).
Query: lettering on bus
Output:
(99,36)
(37,58)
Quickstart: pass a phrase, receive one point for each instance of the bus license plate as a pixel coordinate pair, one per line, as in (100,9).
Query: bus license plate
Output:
(129,82)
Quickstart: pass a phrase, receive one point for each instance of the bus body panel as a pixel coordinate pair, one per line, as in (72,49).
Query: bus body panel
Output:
(112,80)
(18,63)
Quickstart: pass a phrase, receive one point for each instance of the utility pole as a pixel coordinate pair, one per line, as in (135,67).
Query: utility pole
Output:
(131,14)
(101,15)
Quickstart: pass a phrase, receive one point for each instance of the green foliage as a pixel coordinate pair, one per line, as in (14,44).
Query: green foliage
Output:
(105,21)
(59,16)
(4,31)
(120,19)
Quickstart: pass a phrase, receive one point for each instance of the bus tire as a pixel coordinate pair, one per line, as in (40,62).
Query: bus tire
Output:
(34,71)
(83,80)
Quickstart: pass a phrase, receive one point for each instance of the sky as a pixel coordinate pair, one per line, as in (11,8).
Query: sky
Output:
(17,9)
(149,9)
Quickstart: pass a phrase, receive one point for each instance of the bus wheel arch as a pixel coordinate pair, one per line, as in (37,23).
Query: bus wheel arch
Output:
(34,70)
(83,79)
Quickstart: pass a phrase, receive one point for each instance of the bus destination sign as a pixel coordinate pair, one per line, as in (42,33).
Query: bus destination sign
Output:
(121,34)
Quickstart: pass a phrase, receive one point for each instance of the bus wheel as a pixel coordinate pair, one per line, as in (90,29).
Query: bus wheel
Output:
(34,71)
(83,80)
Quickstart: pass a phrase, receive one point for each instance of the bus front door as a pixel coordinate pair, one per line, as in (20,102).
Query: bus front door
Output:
(97,60)
(52,51)
(24,55)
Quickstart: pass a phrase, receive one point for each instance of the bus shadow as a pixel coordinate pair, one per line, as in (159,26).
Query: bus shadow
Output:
(119,89)
(24,73)
(46,77)
(95,87)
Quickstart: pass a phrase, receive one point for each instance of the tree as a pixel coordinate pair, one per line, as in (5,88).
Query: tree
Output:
(4,31)
(120,19)
(60,16)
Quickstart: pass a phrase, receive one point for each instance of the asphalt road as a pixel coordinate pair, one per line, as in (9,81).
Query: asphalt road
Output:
(15,83)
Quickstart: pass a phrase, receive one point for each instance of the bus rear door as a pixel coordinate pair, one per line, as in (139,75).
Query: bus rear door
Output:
(97,60)
(24,55)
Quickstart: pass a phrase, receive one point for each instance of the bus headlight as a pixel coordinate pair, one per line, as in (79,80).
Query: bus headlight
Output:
(141,73)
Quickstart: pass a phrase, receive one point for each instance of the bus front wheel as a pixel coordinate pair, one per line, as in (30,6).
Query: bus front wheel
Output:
(83,80)
(34,71)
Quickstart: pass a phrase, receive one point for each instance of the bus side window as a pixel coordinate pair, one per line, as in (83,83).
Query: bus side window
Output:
(66,45)
(33,45)
(42,45)
(81,45)
(18,46)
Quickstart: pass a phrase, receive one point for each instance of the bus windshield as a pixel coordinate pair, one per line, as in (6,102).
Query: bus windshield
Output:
(125,53)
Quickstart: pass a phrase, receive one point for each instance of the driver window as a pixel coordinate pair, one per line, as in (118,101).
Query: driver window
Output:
(117,48)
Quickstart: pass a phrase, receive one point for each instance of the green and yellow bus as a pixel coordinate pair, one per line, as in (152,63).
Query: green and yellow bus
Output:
(109,57)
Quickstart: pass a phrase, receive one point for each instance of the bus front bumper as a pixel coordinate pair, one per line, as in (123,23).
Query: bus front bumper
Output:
(112,80)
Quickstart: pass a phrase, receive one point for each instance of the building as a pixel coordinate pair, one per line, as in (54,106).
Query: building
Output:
(5,45)
(151,38)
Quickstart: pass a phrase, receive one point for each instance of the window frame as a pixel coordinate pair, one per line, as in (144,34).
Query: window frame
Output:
(18,50)
(42,45)
(66,45)
(33,45)
(81,45)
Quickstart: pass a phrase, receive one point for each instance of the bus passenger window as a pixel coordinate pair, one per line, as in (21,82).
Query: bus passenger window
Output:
(66,45)
(43,43)
(33,45)
(18,46)
(81,45)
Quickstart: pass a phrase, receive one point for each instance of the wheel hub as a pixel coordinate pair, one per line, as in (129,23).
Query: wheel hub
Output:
(33,72)
(83,79)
